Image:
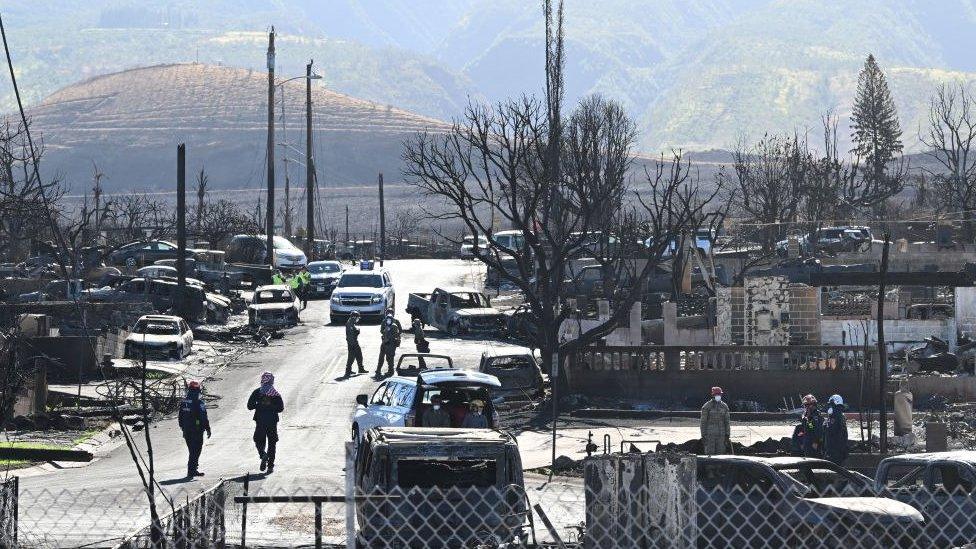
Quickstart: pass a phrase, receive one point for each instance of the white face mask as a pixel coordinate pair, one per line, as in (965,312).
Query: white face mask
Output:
(437,406)
(718,398)
(830,410)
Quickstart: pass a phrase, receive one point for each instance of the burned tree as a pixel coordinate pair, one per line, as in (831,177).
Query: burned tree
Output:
(949,140)
(767,184)
(559,181)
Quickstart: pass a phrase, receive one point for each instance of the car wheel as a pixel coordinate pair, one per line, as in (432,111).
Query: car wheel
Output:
(177,353)
(454,328)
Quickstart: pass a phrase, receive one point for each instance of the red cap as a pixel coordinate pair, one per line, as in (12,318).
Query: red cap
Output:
(194,384)
(716,391)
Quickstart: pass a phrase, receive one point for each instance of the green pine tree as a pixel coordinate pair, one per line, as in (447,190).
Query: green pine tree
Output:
(876,132)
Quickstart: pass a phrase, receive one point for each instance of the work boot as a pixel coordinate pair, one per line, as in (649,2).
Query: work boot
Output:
(363,371)
(270,468)
(348,373)
(198,473)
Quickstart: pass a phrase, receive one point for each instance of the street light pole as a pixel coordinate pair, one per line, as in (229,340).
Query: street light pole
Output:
(309,167)
(269,226)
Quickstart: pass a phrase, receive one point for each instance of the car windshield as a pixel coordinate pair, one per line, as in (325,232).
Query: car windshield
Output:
(468,300)
(822,478)
(272,296)
(156,327)
(361,281)
(446,473)
(319,268)
(282,243)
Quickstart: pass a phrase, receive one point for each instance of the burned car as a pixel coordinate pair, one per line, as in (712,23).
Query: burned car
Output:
(273,305)
(430,473)
(800,502)
(519,374)
(162,336)
(941,485)
(456,311)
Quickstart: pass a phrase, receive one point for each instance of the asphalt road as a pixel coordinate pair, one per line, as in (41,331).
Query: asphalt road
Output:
(103,500)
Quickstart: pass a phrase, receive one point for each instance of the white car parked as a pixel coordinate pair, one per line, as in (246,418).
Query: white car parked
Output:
(398,403)
(159,336)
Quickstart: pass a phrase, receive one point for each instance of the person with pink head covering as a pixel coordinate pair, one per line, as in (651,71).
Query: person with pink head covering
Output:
(267,404)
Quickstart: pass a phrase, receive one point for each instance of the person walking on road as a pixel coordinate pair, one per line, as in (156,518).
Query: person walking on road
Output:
(420,341)
(715,424)
(352,344)
(193,422)
(436,415)
(835,430)
(304,281)
(267,404)
(390,332)
(808,435)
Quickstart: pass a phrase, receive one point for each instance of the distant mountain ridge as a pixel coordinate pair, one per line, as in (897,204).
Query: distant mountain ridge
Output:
(696,74)
(129,123)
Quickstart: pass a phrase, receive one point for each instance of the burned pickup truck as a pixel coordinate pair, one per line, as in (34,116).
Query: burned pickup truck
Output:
(440,488)
(457,311)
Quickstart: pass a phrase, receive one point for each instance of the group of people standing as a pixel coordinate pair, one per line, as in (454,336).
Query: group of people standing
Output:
(391,334)
(300,282)
(817,435)
(265,401)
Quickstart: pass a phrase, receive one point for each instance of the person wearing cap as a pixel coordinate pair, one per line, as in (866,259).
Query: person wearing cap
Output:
(267,403)
(808,435)
(475,418)
(355,352)
(193,422)
(835,430)
(436,415)
(715,424)
(390,332)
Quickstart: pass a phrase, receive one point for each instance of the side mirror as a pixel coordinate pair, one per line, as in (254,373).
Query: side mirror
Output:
(362,400)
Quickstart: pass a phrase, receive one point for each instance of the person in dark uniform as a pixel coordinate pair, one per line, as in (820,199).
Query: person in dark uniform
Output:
(267,404)
(193,422)
(808,435)
(352,344)
(390,332)
(420,340)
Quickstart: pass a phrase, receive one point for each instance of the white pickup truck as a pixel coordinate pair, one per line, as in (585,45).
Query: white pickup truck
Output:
(456,311)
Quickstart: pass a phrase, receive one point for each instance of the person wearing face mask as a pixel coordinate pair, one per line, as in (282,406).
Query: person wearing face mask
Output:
(475,418)
(436,415)
(835,430)
(715,424)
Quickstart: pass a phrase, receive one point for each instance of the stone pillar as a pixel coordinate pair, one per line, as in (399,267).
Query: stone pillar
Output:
(722,332)
(635,335)
(669,315)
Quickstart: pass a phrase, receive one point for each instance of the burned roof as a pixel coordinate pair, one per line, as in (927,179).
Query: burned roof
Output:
(431,435)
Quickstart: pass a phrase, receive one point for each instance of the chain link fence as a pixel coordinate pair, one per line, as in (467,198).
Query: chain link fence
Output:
(621,500)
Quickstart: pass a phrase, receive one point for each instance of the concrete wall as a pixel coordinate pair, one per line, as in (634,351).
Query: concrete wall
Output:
(690,388)
(677,334)
(804,314)
(628,335)
(956,389)
(17,286)
(966,310)
(898,333)
(916,256)
(68,357)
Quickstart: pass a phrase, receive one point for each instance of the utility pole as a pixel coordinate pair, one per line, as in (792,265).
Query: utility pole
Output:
(284,162)
(309,167)
(269,226)
(882,349)
(382,224)
(347,224)
(97,176)
(180,228)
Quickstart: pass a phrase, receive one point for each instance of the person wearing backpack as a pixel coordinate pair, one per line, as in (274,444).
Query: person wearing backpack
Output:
(193,422)
(390,333)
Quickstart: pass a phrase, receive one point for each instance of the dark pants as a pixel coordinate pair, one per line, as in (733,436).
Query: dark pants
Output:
(194,445)
(355,354)
(387,350)
(266,439)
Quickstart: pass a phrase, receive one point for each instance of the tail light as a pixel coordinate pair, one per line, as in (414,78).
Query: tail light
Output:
(409,418)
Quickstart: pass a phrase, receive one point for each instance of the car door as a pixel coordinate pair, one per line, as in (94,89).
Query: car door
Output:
(950,506)
(401,400)
(440,309)
(376,410)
